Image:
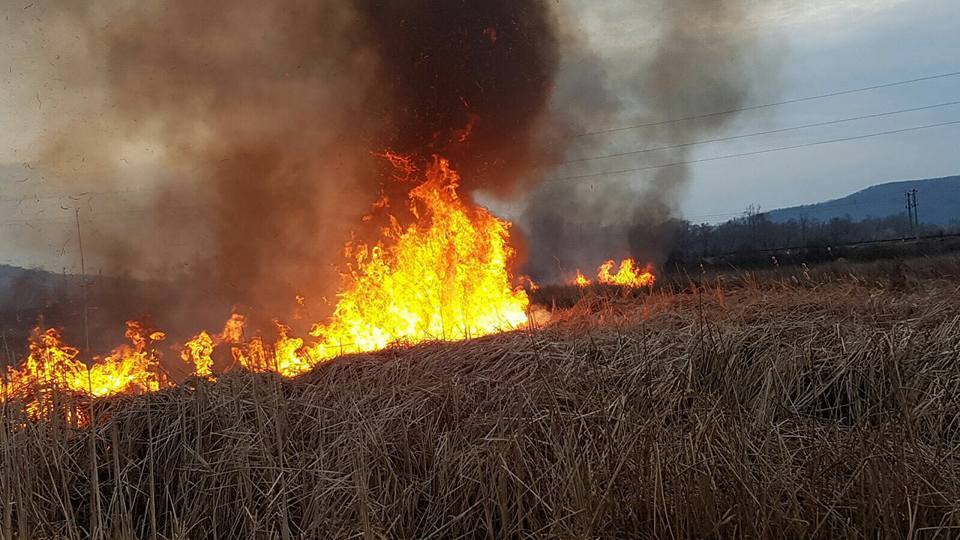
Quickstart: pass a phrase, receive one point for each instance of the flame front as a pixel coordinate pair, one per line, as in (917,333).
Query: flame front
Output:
(51,373)
(445,276)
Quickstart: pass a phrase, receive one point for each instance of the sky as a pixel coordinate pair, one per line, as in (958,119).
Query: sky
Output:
(820,46)
(863,46)
(824,46)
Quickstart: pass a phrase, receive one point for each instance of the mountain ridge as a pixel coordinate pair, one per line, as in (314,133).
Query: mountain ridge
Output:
(938,203)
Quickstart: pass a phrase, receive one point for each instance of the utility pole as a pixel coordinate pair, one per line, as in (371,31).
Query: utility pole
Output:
(916,216)
(911,196)
(909,210)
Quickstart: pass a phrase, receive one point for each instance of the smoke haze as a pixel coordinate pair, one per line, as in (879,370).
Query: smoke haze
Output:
(269,113)
(703,58)
(265,115)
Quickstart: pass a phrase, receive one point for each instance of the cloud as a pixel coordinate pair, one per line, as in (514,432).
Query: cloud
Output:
(791,14)
(621,25)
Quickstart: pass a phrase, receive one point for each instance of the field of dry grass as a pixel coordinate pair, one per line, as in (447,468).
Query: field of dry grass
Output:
(803,403)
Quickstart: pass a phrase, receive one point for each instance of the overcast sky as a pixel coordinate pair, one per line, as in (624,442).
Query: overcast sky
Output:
(827,46)
(879,42)
(823,46)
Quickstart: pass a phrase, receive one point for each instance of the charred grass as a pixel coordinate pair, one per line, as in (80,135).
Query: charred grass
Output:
(822,405)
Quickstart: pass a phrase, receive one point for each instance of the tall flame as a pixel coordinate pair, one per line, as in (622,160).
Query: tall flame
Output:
(445,276)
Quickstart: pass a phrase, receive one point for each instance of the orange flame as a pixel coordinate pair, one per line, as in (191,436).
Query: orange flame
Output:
(581,280)
(445,276)
(128,369)
(629,274)
(52,370)
(199,352)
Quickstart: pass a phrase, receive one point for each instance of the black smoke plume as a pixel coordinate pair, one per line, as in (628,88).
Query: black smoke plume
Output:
(270,113)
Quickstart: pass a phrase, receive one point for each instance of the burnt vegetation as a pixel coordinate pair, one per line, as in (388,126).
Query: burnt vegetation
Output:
(808,402)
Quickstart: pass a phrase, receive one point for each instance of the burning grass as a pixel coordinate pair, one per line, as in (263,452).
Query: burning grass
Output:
(445,275)
(800,409)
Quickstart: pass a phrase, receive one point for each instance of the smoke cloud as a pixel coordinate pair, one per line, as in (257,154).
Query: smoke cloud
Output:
(268,113)
(264,117)
(704,58)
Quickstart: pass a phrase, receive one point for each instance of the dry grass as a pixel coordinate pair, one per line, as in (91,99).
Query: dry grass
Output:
(774,409)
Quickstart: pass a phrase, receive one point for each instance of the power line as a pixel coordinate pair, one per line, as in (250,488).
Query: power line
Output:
(768,105)
(759,133)
(77,196)
(746,154)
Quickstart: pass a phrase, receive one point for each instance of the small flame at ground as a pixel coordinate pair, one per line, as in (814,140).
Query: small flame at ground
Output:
(629,274)
(52,372)
(581,280)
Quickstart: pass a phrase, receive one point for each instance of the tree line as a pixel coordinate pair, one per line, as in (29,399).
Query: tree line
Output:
(756,232)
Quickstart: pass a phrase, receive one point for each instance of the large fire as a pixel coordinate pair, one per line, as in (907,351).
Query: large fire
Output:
(445,276)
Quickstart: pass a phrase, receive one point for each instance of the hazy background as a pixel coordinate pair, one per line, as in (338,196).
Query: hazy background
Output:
(807,48)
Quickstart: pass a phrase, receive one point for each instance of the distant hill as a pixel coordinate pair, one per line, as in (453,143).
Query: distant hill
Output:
(938,201)
(22,288)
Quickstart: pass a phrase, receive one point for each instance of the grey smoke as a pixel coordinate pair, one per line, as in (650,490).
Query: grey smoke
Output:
(267,113)
(706,57)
